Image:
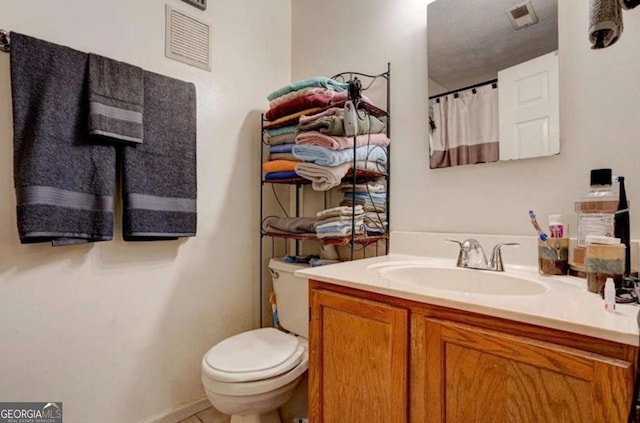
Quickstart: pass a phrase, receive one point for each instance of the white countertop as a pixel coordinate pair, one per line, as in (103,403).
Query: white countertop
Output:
(566,304)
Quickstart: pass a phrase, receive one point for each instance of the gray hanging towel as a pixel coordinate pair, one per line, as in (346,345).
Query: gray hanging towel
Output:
(64,184)
(116,99)
(159,175)
(605,23)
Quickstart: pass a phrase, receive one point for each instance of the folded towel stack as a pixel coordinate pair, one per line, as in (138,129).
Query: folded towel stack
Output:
(286,106)
(306,135)
(338,222)
(375,223)
(328,153)
(372,197)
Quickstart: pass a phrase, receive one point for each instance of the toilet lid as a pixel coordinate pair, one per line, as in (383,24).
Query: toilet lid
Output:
(254,355)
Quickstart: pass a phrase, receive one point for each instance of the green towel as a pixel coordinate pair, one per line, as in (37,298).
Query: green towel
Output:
(318,81)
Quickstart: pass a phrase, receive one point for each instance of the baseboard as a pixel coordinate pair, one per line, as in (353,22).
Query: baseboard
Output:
(180,413)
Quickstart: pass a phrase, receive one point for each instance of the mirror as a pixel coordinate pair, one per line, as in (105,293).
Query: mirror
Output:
(492,80)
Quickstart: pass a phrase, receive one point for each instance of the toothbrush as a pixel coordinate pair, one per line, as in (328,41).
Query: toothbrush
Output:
(543,237)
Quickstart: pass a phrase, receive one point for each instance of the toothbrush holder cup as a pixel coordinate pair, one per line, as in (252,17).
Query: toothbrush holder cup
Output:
(553,256)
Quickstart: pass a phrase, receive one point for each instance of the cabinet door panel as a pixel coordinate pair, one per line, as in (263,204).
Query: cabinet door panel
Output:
(475,375)
(483,387)
(358,360)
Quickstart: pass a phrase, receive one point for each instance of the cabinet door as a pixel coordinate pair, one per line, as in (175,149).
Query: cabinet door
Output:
(358,360)
(475,375)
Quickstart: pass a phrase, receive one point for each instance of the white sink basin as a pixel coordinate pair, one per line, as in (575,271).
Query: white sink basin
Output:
(471,281)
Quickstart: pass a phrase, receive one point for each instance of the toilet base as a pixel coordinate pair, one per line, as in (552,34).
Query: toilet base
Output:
(271,417)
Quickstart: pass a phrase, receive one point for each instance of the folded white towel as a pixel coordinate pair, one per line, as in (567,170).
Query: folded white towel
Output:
(338,220)
(339,225)
(340,211)
(323,178)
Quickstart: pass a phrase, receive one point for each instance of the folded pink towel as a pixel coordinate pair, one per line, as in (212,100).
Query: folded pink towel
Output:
(295,94)
(340,143)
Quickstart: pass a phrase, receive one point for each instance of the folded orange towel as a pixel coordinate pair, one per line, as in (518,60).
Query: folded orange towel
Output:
(280,165)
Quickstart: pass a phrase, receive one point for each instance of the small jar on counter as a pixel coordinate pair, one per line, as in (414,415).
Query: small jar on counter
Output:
(604,261)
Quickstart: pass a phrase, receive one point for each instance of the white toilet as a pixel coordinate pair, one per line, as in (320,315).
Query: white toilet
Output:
(252,374)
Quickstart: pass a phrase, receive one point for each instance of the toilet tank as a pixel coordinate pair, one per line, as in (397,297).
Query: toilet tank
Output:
(292,296)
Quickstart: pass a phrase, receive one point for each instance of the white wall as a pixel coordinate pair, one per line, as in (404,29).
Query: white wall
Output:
(117,330)
(600,116)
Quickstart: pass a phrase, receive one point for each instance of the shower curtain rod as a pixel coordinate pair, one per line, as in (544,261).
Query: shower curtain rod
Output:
(480,84)
(5,41)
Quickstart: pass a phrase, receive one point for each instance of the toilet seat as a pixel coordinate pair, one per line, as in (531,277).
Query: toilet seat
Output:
(245,389)
(253,356)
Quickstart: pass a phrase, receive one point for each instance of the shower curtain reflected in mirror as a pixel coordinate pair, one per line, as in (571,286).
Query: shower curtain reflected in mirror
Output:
(464,127)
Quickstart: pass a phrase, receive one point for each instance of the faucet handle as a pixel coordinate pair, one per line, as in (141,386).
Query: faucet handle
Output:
(495,263)
(463,253)
(455,241)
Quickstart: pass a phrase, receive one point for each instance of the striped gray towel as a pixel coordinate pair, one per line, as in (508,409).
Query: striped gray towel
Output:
(64,184)
(116,99)
(159,176)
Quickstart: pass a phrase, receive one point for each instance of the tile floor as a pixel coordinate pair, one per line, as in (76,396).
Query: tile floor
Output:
(208,415)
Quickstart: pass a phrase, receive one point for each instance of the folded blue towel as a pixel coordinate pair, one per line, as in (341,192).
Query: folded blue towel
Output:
(116,99)
(64,183)
(281,148)
(159,175)
(366,195)
(325,157)
(272,176)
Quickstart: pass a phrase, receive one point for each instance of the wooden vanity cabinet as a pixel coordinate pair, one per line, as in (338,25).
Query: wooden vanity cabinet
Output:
(375,358)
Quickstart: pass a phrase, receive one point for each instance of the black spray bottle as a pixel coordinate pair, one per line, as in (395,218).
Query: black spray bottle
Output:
(621,225)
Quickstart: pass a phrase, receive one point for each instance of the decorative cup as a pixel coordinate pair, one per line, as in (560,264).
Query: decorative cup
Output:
(604,261)
(553,256)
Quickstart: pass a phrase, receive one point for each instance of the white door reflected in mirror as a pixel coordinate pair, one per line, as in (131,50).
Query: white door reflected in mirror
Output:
(529,109)
(493,80)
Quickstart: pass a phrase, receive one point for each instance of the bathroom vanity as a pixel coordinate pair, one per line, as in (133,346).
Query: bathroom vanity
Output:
(389,345)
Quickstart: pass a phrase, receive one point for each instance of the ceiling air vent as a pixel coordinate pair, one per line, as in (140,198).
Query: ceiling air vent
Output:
(188,39)
(522,15)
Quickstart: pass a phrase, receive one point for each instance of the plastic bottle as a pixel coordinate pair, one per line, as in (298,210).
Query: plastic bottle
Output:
(596,211)
(609,295)
(556,227)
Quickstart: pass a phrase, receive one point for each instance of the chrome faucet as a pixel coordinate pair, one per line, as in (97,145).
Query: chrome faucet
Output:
(472,256)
